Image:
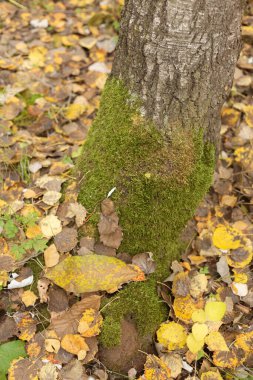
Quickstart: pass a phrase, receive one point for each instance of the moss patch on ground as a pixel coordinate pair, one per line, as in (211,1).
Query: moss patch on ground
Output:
(160,181)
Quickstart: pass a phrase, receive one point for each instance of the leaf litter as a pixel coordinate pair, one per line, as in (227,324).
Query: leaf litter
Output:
(50,87)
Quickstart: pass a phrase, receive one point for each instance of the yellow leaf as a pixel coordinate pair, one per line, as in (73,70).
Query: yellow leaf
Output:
(199,331)
(37,56)
(211,375)
(245,341)
(91,273)
(216,342)
(226,237)
(28,298)
(156,369)
(52,345)
(225,359)
(230,116)
(215,310)
(90,323)
(74,343)
(242,278)
(33,231)
(240,257)
(199,316)
(172,335)
(185,306)
(194,345)
(73,111)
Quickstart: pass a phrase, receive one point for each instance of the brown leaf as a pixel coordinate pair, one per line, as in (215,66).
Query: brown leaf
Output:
(24,369)
(67,322)
(8,328)
(26,325)
(57,299)
(66,240)
(73,370)
(42,287)
(145,262)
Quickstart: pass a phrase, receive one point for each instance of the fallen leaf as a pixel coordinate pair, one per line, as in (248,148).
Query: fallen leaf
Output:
(74,111)
(171,335)
(90,323)
(181,284)
(155,369)
(73,370)
(199,331)
(50,226)
(29,298)
(199,316)
(210,375)
(198,285)
(223,270)
(91,273)
(239,289)
(51,256)
(48,372)
(10,351)
(145,262)
(24,369)
(74,343)
(216,342)
(174,362)
(66,240)
(33,231)
(240,257)
(194,345)
(226,237)
(51,197)
(78,211)
(52,345)
(225,359)
(26,325)
(185,306)
(67,322)
(42,287)
(215,310)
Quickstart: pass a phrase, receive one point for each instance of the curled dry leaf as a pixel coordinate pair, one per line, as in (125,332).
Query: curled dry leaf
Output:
(78,211)
(145,262)
(42,287)
(91,273)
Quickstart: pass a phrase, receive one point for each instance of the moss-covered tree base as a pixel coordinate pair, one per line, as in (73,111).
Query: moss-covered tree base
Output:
(159,180)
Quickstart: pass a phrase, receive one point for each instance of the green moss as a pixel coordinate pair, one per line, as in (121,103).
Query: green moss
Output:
(159,182)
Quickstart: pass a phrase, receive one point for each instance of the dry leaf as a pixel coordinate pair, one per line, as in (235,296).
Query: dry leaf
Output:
(174,362)
(90,273)
(215,310)
(155,369)
(66,240)
(29,298)
(50,226)
(74,343)
(51,197)
(90,323)
(26,325)
(48,372)
(198,285)
(185,306)
(211,375)
(226,237)
(52,345)
(78,211)
(51,256)
(145,262)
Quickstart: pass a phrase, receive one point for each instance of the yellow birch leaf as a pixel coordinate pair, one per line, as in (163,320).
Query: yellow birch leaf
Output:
(74,343)
(91,273)
(199,316)
(211,375)
(226,237)
(199,331)
(230,116)
(185,306)
(28,298)
(172,335)
(242,278)
(90,323)
(245,341)
(194,345)
(240,257)
(216,342)
(73,111)
(215,310)
(37,56)
(225,359)
(33,231)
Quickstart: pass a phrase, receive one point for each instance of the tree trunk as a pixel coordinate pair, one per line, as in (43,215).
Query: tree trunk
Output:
(156,134)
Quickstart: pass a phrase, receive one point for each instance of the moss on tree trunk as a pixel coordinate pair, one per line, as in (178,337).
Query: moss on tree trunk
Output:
(159,182)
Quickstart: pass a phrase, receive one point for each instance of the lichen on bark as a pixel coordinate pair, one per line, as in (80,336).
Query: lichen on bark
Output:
(159,182)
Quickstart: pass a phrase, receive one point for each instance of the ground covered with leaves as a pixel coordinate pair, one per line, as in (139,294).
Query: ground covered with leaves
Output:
(55,58)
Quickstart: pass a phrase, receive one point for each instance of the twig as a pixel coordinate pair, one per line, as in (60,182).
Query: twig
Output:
(14,2)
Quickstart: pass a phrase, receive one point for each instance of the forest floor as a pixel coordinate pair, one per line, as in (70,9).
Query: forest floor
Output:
(55,58)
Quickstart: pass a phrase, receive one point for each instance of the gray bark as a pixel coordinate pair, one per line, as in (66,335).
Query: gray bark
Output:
(179,57)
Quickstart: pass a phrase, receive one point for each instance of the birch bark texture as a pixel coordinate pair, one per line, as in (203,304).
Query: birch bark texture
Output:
(179,57)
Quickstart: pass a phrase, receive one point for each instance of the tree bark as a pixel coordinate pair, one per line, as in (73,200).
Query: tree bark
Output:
(155,136)
(179,57)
